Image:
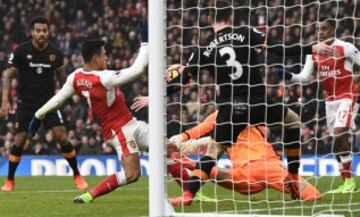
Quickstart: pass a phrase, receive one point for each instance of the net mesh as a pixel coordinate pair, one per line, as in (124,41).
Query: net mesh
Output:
(289,23)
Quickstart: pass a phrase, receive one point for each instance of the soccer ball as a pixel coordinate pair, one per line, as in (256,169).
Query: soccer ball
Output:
(173,72)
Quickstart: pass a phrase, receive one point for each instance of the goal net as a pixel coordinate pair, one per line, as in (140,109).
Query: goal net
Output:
(287,23)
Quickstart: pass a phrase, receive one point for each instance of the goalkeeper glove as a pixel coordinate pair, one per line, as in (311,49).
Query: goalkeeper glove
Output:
(143,27)
(176,140)
(283,74)
(34,126)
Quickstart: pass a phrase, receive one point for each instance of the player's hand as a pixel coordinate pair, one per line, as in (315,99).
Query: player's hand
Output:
(324,49)
(4,110)
(34,126)
(176,140)
(139,103)
(283,74)
(143,27)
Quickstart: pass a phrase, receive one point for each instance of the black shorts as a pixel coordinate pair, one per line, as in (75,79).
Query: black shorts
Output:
(233,119)
(24,115)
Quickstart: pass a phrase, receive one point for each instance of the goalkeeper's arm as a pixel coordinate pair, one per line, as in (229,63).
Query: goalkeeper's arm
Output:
(198,131)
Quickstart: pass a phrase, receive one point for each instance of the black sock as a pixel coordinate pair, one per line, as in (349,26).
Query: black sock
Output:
(292,144)
(205,164)
(14,160)
(72,161)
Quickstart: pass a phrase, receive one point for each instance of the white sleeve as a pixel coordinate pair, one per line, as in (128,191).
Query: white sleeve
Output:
(305,73)
(115,78)
(64,93)
(352,53)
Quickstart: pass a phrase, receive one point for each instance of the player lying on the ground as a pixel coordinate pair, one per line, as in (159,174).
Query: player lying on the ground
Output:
(255,163)
(101,89)
(337,78)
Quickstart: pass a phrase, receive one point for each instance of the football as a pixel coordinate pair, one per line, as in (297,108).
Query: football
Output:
(173,71)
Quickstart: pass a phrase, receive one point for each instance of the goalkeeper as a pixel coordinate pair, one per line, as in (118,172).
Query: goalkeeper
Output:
(255,163)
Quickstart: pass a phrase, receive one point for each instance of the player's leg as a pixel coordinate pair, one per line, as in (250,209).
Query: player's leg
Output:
(292,141)
(55,122)
(273,173)
(129,174)
(346,110)
(237,180)
(14,160)
(23,118)
(128,153)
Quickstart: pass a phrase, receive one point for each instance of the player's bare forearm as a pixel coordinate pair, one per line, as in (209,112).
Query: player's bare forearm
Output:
(7,78)
(61,75)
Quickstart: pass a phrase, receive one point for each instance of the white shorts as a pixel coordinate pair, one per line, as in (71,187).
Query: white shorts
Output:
(131,138)
(341,113)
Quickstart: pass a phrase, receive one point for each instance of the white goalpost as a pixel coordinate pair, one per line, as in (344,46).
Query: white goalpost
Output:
(164,53)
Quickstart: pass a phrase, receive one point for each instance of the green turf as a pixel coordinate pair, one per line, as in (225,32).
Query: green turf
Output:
(52,197)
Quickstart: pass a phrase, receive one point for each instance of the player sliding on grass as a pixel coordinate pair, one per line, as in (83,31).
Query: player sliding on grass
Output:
(255,163)
(101,89)
(337,78)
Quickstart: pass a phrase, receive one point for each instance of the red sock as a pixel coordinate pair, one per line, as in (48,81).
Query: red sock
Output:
(107,185)
(346,162)
(346,171)
(180,174)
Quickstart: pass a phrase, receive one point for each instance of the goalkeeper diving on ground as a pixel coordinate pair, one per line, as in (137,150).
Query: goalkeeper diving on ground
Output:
(256,165)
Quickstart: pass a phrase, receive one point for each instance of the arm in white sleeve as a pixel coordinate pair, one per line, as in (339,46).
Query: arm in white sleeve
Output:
(352,53)
(64,93)
(305,73)
(115,78)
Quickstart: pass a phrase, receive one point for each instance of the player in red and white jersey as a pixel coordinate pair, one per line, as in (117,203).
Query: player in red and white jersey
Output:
(338,78)
(101,89)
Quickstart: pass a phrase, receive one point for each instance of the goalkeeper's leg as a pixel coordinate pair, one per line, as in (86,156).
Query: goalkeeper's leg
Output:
(257,175)
(273,173)
(236,180)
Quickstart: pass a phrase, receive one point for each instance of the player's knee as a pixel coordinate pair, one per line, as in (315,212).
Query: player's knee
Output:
(292,120)
(132,175)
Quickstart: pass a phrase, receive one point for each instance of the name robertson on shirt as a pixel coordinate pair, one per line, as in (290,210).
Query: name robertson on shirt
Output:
(220,39)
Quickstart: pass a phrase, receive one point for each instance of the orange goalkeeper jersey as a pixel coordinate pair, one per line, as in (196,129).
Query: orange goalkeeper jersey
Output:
(251,144)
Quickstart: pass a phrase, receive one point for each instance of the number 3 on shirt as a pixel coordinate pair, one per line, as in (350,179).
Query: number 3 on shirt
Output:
(86,94)
(232,62)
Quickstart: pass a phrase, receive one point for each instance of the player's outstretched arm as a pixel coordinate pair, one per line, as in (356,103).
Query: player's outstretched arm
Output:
(127,75)
(303,76)
(56,101)
(259,38)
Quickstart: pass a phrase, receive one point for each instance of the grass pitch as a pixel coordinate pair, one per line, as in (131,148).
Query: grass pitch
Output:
(52,197)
